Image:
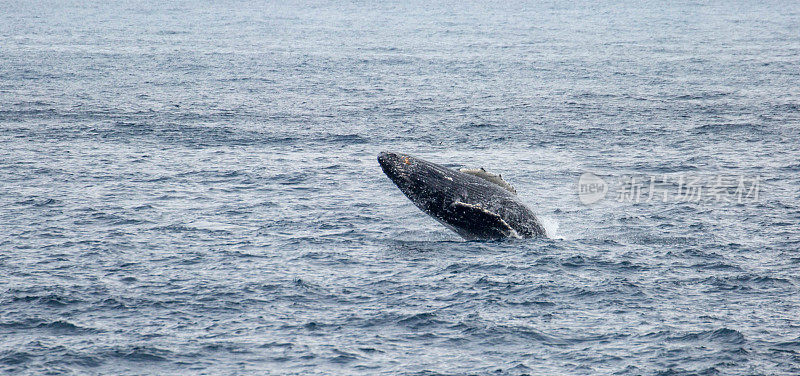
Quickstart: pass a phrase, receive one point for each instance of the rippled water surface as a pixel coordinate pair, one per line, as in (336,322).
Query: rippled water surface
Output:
(193,188)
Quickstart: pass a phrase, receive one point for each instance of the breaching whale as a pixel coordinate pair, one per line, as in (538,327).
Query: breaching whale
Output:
(473,203)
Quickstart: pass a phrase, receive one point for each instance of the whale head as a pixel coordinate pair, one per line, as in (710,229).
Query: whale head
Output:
(428,185)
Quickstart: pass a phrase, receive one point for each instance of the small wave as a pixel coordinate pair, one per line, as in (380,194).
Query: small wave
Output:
(60,326)
(420,320)
(531,303)
(507,333)
(347,139)
(270,345)
(65,327)
(703,95)
(38,202)
(343,357)
(719,335)
(791,167)
(14,358)
(716,266)
(52,300)
(228,347)
(18,114)
(141,354)
(170,32)
(201,226)
(728,127)
(480,124)
(747,282)
(795,344)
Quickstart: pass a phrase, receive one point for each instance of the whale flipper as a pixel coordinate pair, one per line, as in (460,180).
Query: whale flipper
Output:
(479,223)
(490,177)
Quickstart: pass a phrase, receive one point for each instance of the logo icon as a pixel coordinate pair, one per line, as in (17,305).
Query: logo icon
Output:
(591,188)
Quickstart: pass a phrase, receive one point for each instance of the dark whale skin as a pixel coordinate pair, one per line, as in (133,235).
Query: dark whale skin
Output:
(469,205)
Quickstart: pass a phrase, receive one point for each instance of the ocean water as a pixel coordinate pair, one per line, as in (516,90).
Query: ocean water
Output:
(192,187)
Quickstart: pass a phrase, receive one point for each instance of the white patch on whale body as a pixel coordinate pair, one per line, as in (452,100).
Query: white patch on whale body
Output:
(511,232)
(490,177)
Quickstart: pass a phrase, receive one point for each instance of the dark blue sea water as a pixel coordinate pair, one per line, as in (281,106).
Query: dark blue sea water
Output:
(192,187)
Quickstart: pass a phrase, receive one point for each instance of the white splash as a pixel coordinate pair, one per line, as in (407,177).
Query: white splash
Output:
(550,225)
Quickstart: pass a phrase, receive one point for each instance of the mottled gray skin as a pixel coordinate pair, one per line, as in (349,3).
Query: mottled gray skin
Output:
(469,205)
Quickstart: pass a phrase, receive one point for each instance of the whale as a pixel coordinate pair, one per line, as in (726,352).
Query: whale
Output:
(474,203)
